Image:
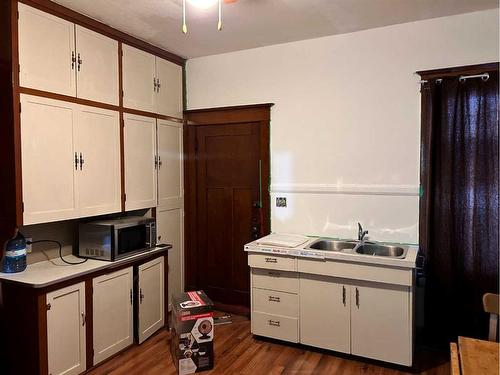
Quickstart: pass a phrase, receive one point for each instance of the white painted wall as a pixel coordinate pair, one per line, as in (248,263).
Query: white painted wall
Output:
(346,125)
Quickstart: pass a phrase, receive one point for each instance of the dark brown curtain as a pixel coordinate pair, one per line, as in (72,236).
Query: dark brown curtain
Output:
(461,162)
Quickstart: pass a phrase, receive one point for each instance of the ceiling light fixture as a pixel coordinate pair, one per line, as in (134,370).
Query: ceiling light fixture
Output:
(203,4)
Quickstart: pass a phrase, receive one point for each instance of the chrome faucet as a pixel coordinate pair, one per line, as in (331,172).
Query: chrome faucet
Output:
(361,233)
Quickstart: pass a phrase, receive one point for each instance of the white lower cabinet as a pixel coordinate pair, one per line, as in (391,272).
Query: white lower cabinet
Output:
(112,313)
(364,316)
(325,313)
(151,293)
(66,330)
(380,322)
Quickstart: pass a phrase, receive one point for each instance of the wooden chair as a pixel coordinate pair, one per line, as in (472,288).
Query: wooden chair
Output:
(454,361)
(490,305)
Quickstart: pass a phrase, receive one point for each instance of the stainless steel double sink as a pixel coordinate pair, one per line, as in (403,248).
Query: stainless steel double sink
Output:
(356,247)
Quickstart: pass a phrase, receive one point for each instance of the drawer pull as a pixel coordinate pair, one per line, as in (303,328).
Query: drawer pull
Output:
(276,274)
(271,260)
(343,294)
(274,323)
(274,299)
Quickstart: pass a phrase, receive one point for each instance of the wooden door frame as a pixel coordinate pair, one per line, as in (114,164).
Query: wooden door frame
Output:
(255,113)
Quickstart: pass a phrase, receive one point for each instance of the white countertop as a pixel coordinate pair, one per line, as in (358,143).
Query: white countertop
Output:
(301,251)
(42,274)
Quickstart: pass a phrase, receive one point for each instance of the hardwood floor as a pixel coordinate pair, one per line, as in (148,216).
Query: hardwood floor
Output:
(238,352)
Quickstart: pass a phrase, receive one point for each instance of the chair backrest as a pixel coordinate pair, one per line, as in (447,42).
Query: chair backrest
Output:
(490,305)
(454,361)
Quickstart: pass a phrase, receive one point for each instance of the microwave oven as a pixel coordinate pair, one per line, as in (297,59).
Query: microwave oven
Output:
(116,238)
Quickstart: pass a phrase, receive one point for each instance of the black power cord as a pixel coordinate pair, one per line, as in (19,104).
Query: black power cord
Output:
(60,250)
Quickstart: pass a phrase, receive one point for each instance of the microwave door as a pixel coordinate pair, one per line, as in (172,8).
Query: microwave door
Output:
(130,240)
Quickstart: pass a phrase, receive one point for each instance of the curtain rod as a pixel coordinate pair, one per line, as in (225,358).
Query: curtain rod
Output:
(484,77)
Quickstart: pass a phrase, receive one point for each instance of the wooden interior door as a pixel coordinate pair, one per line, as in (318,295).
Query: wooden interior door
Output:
(228,198)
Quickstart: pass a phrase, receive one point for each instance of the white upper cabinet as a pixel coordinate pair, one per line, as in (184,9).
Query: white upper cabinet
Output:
(170,182)
(140,166)
(169,88)
(97,66)
(139,80)
(66,330)
(48,159)
(70,157)
(97,141)
(113,315)
(151,84)
(151,298)
(46,52)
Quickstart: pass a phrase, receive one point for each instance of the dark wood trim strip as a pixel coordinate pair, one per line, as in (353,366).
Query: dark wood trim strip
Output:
(41,301)
(228,115)
(458,70)
(165,290)
(89,322)
(151,114)
(90,23)
(229,108)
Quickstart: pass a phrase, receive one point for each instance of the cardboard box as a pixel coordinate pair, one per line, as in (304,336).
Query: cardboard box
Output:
(192,332)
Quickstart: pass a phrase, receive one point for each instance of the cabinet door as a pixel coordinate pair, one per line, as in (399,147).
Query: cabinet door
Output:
(169,98)
(97,66)
(151,298)
(170,230)
(138,79)
(140,166)
(380,322)
(113,313)
(97,142)
(66,330)
(46,49)
(48,159)
(169,164)
(324,313)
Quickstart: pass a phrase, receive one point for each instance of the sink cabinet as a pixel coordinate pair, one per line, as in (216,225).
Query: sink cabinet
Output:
(348,307)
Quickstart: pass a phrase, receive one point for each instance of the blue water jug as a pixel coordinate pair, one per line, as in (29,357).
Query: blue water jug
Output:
(14,259)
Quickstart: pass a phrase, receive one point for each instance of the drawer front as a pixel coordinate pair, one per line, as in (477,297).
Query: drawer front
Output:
(275,303)
(273,262)
(275,280)
(275,326)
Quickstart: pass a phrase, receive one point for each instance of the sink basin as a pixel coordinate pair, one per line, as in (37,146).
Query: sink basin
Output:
(382,250)
(331,245)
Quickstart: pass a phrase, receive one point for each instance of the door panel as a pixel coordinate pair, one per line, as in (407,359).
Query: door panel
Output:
(113,313)
(140,171)
(380,322)
(138,75)
(97,76)
(66,330)
(48,159)
(169,98)
(170,226)
(46,44)
(98,178)
(324,313)
(228,187)
(170,184)
(151,295)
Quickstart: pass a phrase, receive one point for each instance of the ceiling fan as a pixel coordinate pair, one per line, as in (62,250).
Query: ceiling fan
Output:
(204,4)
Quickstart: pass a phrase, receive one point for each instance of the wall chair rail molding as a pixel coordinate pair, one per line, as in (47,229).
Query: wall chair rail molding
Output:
(352,189)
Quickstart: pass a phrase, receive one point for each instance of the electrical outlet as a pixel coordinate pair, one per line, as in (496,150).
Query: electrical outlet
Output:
(28,246)
(280,201)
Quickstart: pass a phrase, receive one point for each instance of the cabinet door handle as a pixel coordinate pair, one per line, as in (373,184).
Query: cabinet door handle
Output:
(154,85)
(76,161)
(81,161)
(357,298)
(158,85)
(275,323)
(73,60)
(83,319)
(159,162)
(131,297)
(156,162)
(274,299)
(141,296)
(80,61)
(343,294)
(271,260)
